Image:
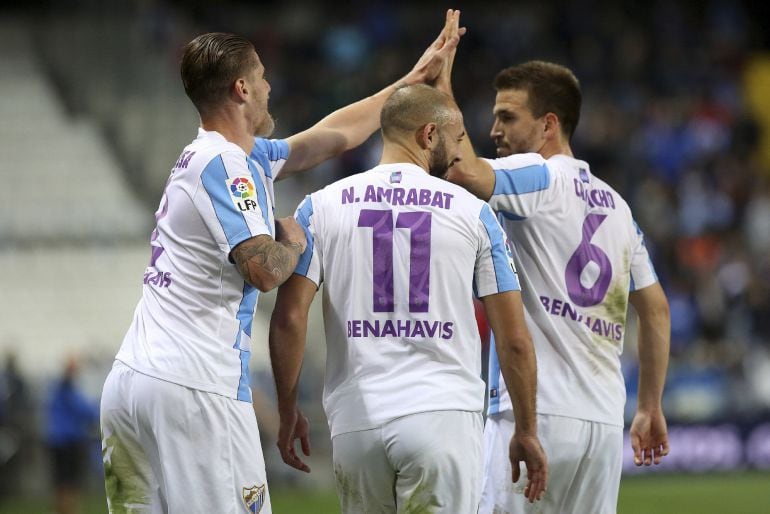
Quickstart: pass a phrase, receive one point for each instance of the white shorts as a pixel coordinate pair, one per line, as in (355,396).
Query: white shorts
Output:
(584,465)
(426,462)
(171,449)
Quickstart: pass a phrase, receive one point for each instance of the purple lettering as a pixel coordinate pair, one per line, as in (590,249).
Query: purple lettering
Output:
(570,311)
(585,253)
(597,327)
(438,200)
(370,195)
(381,223)
(431,328)
(419,258)
(425,196)
(447,331)
(372,329)
(411,197)
(556,306)
(403,327)
(384,193)
(350,331)
(356,328)
(448,200)
(398,196)
(348,195)
(388,329)
(417,329)
(546,303)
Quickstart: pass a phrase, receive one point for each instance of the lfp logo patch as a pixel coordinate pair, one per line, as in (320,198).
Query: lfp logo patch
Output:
(242,188)
(254,498)
(242,193)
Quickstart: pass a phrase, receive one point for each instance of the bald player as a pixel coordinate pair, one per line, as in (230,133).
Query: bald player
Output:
(401,253)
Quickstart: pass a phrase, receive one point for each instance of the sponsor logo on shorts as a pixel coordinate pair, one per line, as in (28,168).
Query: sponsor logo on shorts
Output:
(242,193)
(254,498)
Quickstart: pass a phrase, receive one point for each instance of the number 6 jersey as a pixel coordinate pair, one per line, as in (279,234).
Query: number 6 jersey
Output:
(401,254)
(578,253)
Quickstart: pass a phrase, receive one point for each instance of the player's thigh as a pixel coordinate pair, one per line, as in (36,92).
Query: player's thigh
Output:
(564,441)
(596,485)
(363,474)
(438,459)
(129,481)
(204,447)
(497,488)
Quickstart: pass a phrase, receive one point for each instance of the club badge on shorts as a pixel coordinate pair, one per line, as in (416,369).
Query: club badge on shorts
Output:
(254,498)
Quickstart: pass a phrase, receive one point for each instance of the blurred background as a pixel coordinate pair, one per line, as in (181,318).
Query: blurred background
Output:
(676,116)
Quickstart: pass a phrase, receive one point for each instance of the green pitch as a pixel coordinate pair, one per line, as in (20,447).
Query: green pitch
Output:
(747,493)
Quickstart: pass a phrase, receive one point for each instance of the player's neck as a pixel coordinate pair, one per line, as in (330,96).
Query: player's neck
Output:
(232,128)
(393,154)
(552,148)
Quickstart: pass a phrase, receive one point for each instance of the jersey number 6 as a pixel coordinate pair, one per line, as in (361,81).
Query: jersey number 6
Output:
(586,253)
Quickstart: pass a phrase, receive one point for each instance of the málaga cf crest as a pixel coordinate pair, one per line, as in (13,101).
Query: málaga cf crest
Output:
(254,498)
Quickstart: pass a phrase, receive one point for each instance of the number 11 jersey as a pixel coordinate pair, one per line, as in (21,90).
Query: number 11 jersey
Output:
(400,254)
(578,253)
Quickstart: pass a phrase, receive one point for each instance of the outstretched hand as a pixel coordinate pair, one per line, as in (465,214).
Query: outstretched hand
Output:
(649,437)
(527,449)
(294,425)
(429,66)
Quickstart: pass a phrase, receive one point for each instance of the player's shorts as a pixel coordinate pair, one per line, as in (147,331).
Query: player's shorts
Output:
(171,449)
(426,462)
(584,465)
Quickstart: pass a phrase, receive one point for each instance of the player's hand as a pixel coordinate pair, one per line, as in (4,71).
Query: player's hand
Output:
(443,81)
(527,449)
(649,437)
(288,231)
(430,64)
(294,425)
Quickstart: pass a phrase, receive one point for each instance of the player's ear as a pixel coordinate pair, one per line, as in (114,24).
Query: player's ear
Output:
(427,135)
(240,89)
(552,127)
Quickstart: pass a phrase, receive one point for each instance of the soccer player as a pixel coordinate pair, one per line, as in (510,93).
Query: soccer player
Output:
(581,258)
(179,432)
(400,253)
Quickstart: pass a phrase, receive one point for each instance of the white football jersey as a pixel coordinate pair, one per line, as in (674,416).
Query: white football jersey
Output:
(401,254)
(578,253)
(193,323)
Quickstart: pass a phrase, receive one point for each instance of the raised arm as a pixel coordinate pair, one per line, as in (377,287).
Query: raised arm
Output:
(348,127)
(649,434)
(471,172)
(513,343)
(288,330)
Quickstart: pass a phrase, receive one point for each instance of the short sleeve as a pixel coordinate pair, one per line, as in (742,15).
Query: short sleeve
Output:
(642,271)
(270,154)
(237,199)
(309,265)
(494,271)
(522,185)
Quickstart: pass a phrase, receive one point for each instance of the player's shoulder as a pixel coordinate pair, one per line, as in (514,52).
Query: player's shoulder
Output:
(212,149)
(517,161)
(272,149)
(461,197)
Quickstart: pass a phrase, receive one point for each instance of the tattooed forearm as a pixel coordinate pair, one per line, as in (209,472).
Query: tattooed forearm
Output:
(266,263)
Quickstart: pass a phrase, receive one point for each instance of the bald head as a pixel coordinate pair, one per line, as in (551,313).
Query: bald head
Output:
(411,107)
